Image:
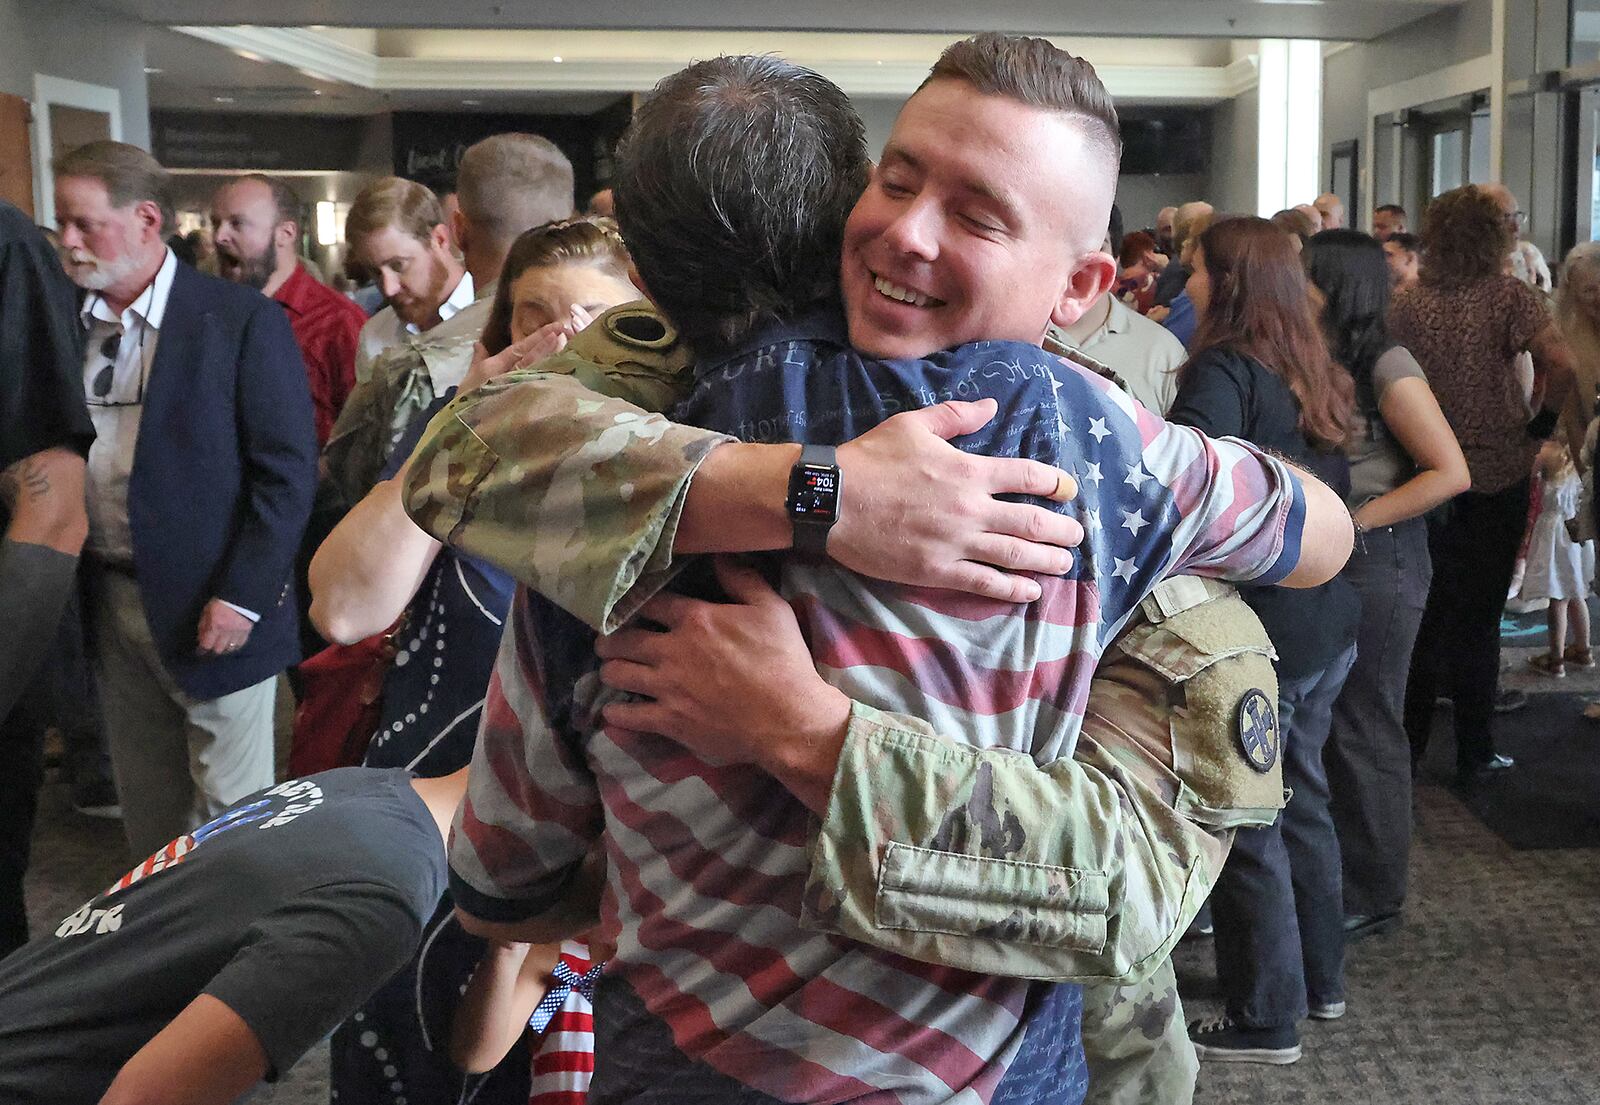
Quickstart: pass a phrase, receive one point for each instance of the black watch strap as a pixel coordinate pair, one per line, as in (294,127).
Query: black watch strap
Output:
(814,489)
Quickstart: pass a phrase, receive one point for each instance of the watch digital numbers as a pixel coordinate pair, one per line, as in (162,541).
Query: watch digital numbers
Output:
(818,494)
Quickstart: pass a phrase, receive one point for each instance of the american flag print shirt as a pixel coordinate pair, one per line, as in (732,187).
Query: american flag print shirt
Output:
(716,992)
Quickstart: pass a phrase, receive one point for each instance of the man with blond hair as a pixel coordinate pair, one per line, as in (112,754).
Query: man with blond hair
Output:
(506,184)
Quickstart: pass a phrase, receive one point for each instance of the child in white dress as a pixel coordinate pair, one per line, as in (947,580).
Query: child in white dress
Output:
(1559,568)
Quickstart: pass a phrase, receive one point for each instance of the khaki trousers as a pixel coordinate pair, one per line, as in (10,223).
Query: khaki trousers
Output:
(178,761)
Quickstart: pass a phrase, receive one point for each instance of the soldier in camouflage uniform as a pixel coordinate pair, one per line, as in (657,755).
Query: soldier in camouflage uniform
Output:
(579,495)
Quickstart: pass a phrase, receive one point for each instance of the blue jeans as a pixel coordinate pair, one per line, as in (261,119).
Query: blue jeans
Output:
(1277,907)
(1368,756)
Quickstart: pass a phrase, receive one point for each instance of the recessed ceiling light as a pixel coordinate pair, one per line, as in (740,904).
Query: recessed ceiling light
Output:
(316,91)
(470,103)
(151,70)
(223,99)
(249,56)
(556,58)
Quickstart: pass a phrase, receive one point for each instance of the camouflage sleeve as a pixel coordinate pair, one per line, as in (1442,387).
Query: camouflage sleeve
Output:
(575,493)
(1088,869)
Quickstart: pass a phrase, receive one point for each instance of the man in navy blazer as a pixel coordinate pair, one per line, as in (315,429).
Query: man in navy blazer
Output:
(199,485)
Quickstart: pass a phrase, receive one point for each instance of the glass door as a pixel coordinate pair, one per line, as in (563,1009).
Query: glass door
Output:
(1587,178)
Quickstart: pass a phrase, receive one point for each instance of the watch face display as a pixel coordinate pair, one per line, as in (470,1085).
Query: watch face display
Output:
(815,494)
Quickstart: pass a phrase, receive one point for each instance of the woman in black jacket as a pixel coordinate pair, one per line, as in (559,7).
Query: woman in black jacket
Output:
(1260,370)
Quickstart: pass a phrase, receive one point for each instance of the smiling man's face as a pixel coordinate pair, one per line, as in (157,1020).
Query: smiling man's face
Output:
(983,220)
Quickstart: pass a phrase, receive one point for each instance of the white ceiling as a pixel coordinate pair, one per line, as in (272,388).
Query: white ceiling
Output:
(1324,19)
(354,71)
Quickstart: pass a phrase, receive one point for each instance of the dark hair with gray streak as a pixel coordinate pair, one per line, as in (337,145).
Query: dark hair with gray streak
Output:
(733,185)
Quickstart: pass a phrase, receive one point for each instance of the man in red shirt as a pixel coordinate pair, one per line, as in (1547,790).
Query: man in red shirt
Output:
(256,222)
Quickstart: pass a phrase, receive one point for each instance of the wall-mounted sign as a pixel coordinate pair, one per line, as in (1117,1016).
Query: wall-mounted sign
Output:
(207,140)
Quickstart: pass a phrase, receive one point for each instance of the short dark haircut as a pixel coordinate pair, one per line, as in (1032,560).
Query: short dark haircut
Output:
(1406,241)
(1391,209)
(733,185)
(1035,71)
(290,208)
(130,175)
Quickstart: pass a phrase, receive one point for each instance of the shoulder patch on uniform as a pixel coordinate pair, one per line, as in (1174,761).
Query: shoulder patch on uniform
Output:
(1259,737)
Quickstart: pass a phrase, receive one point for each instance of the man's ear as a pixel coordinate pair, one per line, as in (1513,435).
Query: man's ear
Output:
(148,212)
(287,233)
(460,229)
(1093,276)
(440,237)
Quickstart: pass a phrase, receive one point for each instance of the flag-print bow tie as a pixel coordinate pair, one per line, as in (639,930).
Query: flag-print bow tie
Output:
(566,981)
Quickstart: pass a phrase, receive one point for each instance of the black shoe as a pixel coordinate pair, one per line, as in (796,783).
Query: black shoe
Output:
(1359,926)
(1220,1040)
(1509,701)
(96,798)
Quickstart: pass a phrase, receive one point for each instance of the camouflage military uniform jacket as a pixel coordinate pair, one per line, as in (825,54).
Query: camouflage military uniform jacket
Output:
(402,383)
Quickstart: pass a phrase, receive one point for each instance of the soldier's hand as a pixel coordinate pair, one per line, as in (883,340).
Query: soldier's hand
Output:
(733,682)
(917,510)
(544,342)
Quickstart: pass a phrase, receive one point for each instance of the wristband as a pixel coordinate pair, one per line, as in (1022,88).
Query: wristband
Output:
(813,501)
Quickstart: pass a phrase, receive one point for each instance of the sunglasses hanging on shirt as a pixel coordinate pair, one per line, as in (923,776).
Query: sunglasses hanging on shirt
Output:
(100,387)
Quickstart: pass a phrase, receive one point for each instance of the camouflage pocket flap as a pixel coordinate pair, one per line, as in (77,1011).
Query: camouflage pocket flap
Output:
(935,891)
(1182,648)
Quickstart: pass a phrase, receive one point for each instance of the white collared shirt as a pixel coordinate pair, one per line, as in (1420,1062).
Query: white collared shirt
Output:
(117,412)
(385,329)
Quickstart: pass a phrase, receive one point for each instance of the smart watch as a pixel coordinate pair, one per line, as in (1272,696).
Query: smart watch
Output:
(813,502)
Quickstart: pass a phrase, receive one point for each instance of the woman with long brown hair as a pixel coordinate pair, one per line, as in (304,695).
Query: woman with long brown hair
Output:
(1259,369)
(1466,322)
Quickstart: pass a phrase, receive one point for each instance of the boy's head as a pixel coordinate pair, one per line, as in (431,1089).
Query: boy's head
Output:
(733,185)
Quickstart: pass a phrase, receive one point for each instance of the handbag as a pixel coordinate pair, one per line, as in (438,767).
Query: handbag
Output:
(341,702)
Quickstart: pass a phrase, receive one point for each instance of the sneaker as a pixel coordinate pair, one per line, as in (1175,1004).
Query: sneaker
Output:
(1220,1040)
(1510,701)
(96,798)
(1326,1010)
(1580,657)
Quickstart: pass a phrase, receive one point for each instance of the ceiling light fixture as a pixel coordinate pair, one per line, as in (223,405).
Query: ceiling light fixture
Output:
(151,71)
(470,103)
(223,99)
(249,56)
(557,58)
